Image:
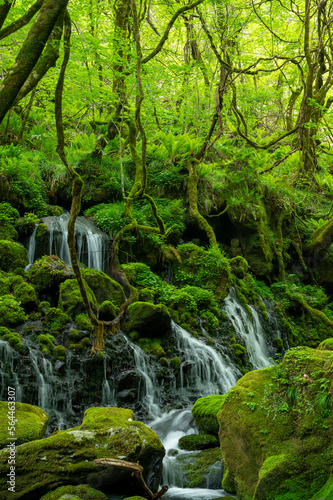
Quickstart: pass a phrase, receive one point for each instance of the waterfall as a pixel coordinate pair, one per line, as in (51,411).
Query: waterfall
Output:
(249,330)
(205,370)
(108,395)
(92,245)
(9,377)
(31,249)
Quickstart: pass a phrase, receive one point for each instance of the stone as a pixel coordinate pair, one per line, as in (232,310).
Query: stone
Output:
(147,319)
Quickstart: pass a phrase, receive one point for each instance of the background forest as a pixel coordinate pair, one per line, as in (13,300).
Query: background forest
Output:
(199,138)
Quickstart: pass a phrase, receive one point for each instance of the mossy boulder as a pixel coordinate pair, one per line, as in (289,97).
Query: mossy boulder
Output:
(239,266)
(11,313)
(104,287)
(147,319)
(70,300)
(326,345)
(200,470)
(31,423)
(13,338)
(276,429)
(26,296)
(107,311)
(12,256)
(7,231)
(198,442)
(46,274)
(82,492)
(67,457)
(205,411)
(55,319)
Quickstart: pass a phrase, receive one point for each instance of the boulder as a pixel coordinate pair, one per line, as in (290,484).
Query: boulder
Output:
(200,470)
(104,287)
(107,311)
(31,423)
(205,411)
(276,430)
(147,319)
(81,492)
(46,274)
(12,256)
(70,300)
(26,296)
(11,313)
(67,457)
(198,442)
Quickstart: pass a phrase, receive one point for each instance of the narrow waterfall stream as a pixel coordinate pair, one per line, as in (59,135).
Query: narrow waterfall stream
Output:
(92,245)
(248,329)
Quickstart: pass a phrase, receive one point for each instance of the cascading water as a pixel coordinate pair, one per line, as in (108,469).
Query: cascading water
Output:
(248,329)
(31,249)
(92,245)
(9,377)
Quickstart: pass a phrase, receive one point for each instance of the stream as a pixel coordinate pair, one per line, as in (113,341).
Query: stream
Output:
(204,369)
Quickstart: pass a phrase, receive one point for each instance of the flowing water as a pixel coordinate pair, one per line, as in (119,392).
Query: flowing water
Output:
(249,330)
(92,245)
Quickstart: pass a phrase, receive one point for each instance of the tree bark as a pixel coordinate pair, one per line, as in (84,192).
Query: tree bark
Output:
(30,53)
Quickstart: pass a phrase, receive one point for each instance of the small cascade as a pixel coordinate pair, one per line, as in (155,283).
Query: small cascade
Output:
(108,394)
(274,324)
(31,249)
(92,245)
(204,371)
(9,377)
(147,386)
(248,329)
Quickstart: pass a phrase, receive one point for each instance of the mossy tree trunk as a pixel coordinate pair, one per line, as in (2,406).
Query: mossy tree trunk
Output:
(30,53)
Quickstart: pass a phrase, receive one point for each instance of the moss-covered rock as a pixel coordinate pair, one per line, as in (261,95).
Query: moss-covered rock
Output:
(46,274)
(83,322)
(55,319)
(239,266)
(147,319)
(11,313)
(70,300)
(46,343)
(12,256)
(13,338)
(276,428)
(326,345)
(104,287)
(82,492)
(202,469)
(205,412)
(107,311)
(26,296)
(30,424)
(198,442)
(67,457)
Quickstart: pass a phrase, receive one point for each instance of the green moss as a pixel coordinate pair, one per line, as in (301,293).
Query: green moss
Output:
(26,296)
(59,352)
(278,344)
(70,300)
(31,423)
(12,256)
(198,442)
(82,322)
(107,311)
(104,287)
(11,313)
(284,412)
(152,346)
(82,492)
(46,343)
(326,345)
(67,457)
(326,491)
(207,269)
(13,338)
(147,295)
(164,362)
(55,319)
(205,412)
(240,352)
(239,266)
(198,465)
(148,319)
(228,483)
(175,363)
(47,273)
(44,306)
